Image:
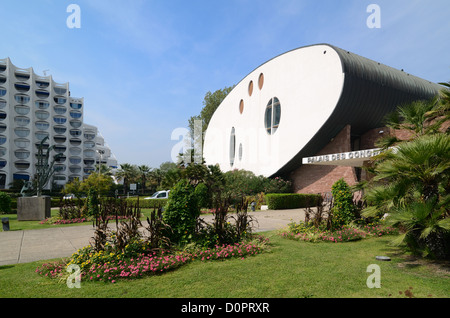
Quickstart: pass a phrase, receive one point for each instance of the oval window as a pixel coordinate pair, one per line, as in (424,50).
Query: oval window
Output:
(272,116)
(22,132)
(22,110)
(232,146)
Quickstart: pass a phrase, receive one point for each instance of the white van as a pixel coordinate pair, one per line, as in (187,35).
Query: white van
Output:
(159,195)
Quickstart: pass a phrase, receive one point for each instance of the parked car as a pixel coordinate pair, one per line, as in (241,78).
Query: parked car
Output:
(69,196)
(159,195)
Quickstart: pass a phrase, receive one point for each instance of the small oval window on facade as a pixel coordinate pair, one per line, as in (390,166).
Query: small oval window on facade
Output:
(232,146)
(22,110)
(22,87)
(21,143)
(42,114)
(75,142)
(59,110)
(250,88)
(42,94)
(41,135)
(59,139)
(60,90)
(21,98)
(42,104)
(241,106)
(261,81)
(21,121)
(59,100)
(22,154)
(42,84)
(22,165)
(22,132)
(59,129)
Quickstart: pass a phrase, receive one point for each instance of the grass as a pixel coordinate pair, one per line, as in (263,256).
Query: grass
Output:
(291,269)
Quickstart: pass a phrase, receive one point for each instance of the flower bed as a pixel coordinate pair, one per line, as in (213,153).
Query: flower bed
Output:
(305,232)
(108,266)
(57,220)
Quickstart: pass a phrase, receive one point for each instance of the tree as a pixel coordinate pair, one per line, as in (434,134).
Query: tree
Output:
(411,182)
(144,173)
(128,173)
(210,103)
(103,169)
(102,184)
(181,212)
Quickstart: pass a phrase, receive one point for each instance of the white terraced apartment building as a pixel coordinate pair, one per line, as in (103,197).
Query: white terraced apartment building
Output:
(33,107)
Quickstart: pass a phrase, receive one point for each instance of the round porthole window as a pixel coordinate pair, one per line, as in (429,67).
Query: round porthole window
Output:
(232,146)
(272,116)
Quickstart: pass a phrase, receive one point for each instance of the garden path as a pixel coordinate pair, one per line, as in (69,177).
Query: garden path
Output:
(33,245)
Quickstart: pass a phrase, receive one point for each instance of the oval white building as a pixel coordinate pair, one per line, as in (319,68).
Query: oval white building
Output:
(295,104)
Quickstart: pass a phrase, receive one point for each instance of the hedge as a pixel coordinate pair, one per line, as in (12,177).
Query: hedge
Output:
(148,204)
(279,201)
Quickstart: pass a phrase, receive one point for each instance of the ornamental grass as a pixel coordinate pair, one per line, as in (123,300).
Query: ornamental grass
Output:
(302,232)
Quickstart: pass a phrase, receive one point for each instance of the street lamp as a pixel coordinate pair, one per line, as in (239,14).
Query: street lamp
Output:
(101,153)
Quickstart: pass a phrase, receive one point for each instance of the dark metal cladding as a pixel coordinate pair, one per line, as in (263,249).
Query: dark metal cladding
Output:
(371,91)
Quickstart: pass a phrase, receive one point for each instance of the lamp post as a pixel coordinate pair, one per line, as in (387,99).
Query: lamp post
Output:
(101,153)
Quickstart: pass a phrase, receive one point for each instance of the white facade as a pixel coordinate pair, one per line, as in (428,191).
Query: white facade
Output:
(31,108)
(292,106)
(304,87)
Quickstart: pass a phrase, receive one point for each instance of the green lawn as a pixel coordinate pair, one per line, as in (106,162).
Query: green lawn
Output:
(290,269)
(15,225)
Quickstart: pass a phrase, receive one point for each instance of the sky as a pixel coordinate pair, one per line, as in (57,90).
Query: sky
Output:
(144,66)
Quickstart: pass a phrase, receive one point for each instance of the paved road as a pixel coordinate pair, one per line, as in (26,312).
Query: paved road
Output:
(33,245)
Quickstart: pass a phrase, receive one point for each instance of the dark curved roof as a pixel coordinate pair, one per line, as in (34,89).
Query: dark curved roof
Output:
(371,91)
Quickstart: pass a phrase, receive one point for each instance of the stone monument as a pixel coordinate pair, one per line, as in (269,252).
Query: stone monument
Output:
(37,207)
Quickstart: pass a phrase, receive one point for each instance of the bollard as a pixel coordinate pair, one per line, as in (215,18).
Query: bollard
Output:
(5,222)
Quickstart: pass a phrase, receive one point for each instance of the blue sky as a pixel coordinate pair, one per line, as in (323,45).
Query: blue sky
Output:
(145,66)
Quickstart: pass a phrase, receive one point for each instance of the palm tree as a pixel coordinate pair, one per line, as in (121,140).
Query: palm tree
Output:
(103,169)
(417,118)
(412,180)
(144,172)
(413,186)
(128,173)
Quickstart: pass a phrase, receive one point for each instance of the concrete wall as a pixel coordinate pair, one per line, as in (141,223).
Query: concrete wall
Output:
(33,208)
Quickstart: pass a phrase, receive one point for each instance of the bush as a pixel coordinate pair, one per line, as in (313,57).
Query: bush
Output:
(343,210)
(5,203)
(181,212)
(279,201)
(202,193)
(306,231)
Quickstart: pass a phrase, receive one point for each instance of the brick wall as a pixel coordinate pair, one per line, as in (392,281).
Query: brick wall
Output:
(320,178)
